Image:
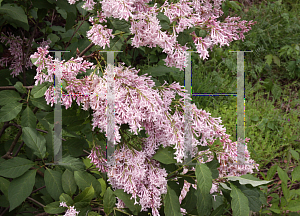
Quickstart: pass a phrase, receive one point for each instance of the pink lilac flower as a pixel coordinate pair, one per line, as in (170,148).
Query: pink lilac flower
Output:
(71,210)
(98,33)
(146,30)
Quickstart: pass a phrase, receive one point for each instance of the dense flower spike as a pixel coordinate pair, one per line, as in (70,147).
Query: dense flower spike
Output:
(16,57)
(139,104)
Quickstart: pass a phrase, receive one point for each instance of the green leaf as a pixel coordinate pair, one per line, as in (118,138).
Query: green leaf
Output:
(162,17)
(109,201)
(103,186)
(66,198)
(159,71)
(282,175)
(42,4)
(54,38)
(121,25)
(294,154)
(15,167)
(71,163)
(68,182)
(135,209)
(115,43)
(83,208)
(53,182)
(41,103)
(262,198)
(58,28)
(28,118)
(217,200)
(276,60)
(184,37)
(16,13)
(20,188)
(213,166)
(164,25)
(10,111)
(254,118)
(286,192)
(83,28)
(190,200)
(8,96)
(275,209)
(4,185)
(204,184)
(68,116)
(269,59)
(39,90)
(294,206)
(84,179)
(35,141)
(253,197)
(93,214)
(65,5)
(86,195)
(19,86)
(204,178)
(219,211)
(63,13)
(80,9)
(172,205)
(239,202)
(245,180)
(234,5)
(54,208)
(296,174)
(271,172)
(165,155)
(276,91)
(175,187)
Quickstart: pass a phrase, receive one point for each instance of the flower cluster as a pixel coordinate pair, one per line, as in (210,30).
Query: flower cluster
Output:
(137,174)
(16,55)
(140,105)
(77,88)
(71,210)
(184,14)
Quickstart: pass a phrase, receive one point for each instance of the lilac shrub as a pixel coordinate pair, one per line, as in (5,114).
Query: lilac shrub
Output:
(141,106)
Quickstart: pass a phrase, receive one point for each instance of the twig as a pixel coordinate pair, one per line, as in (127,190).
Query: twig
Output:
(85,50)
(6,125)
(11,148)
(13,88)
(4,212)
(74,34)
(33,200)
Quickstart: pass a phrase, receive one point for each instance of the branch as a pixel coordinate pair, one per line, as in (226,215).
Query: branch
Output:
(11,148)
(13,88)
(6,125)
(85,50)
(33,200)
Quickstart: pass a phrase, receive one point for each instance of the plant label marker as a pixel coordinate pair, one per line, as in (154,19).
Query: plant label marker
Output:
(57,136)
(240,123)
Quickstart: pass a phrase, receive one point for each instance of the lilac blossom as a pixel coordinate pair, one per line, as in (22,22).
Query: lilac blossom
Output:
(71,210)
(141,105)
